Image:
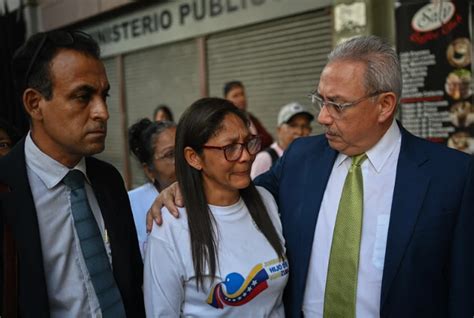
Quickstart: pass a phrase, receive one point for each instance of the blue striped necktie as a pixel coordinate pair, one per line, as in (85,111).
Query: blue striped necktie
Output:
(93,249)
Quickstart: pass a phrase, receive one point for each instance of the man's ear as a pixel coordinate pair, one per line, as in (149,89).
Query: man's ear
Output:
(387,106)
(193,158)
(31,100)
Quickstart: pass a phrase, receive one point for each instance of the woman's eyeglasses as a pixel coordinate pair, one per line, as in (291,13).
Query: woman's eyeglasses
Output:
(233,152)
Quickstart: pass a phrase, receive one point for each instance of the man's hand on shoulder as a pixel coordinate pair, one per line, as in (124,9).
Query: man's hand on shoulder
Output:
(171,198)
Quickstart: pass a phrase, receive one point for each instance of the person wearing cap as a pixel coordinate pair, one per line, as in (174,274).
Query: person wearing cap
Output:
(377,222)
(294,121)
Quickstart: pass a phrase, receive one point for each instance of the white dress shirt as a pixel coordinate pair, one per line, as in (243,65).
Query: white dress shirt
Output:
(378,174)
(70,290)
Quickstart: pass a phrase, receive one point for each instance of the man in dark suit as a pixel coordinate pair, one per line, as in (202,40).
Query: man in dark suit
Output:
(69,213)
(407,249)
(416,240)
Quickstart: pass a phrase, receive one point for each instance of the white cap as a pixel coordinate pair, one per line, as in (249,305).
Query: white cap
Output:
(289,110)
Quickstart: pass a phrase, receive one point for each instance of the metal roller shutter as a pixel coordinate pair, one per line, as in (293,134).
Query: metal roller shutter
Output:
(278,61)
(114,145)
(167,74)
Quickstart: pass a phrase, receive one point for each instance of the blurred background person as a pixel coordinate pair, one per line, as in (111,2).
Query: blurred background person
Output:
(152,143)
(225,256)
(162,112)
(8,137)
(294,121)
(234,91)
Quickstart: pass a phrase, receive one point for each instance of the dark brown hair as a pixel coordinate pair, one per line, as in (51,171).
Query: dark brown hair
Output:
(199,123)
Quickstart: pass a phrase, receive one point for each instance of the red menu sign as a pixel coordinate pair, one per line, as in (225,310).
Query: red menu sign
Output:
(434,45)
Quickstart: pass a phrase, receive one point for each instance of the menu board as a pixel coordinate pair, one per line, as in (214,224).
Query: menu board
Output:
(434,46)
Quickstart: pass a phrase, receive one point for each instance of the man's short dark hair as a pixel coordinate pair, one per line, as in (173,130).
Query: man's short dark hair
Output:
(42,48)
(231,85)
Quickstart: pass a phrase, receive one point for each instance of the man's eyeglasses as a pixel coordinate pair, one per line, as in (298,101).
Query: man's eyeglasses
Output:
(336,109)
(61,38)
(233,152)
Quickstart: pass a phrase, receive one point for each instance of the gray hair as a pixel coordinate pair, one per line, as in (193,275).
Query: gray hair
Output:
(142,138)
(383,72)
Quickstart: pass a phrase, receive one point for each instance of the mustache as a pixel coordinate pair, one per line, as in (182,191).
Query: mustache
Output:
(99,127)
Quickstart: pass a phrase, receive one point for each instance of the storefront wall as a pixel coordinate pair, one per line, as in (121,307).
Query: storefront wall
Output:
(165,74)
(279,60)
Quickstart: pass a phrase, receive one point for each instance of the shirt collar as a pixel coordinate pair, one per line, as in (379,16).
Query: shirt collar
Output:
(50,171)
(382,150)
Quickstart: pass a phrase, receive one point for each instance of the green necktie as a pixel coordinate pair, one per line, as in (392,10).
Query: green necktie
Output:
(341,284)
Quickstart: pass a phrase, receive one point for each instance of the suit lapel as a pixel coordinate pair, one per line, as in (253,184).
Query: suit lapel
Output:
(20,213)
(411,185)
(103,195)
(319,168)
(98,186)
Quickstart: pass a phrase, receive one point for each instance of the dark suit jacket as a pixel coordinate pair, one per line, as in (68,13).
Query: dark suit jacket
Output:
(18,210)
(429,265)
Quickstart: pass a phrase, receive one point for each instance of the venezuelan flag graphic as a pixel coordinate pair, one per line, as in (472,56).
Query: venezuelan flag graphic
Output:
(235,291)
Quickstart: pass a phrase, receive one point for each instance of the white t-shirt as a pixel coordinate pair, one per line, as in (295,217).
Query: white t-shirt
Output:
(249,279)
(141,200)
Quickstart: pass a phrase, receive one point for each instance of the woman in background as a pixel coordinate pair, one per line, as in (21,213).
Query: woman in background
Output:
(224,256)
(9,136)
(152,143)
(162,112)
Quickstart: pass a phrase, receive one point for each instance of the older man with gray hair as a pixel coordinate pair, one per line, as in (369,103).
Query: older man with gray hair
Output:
(377,222)
(382,222)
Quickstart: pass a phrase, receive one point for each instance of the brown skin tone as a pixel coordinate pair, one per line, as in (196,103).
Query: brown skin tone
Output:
(73,123)
(357,131)
(163,168)
(222,179)
(298,126)
(237,97)
(362,125)
(5,143)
